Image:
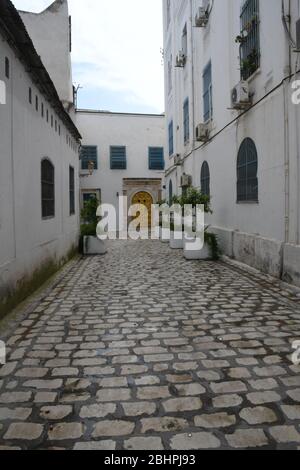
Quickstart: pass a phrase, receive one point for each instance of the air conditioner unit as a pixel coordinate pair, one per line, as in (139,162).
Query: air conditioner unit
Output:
(180,59)
(202,17)
(186,181)
(240,96)
(177,160)
(203,131)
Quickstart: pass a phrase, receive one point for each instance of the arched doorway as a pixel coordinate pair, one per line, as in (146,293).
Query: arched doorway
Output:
(145,199)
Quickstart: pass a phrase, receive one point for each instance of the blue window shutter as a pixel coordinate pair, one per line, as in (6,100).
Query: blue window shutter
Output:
(89,153)
(186,120)
(171,138)
(156,158)
(207,93)
(118,160)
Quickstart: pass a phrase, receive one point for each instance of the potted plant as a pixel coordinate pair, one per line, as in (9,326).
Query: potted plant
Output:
(89,243)
(210,250)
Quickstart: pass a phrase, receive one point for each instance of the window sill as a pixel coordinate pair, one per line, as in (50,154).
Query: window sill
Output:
(248,202)
(52,217)
(254,75)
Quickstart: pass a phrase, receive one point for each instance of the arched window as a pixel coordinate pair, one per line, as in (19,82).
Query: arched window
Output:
(48,189)
(247,166)
(170,192)
(205,179)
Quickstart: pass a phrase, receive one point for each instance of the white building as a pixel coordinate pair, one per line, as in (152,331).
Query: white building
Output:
(247,158)
(39,207)
(127,151)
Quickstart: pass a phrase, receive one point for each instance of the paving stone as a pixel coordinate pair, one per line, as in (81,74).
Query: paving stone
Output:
(217,420)
(32,372)
(228,387)
(101,445)
(24,431)
(292,412)
(139,408)
(44,384)
(285,434)
(271,371)
(258,415)
(182,404)
(227,401)
(179,378)
(152,393)
(15,397)
(133,370)
(66,431)
(113,428)
(55,413)
(194,441)
(294,394)
(45,397)
(144,443)
(97,410)
(185,366)
(163,425)
(265,384)
(263,397)
(7,369)
(239,373)
(247,438)
(15,414)
(65,372)
(190,389)
(113,394)
(113,382)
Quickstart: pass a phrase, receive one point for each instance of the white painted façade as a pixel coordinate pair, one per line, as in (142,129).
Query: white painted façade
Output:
(246,155)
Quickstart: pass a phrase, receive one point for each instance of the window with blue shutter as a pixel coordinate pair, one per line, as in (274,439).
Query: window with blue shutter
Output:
(89,153)
(186,121)
(247,168)
(171,139)
(207,93)
(156,158)
(118,159)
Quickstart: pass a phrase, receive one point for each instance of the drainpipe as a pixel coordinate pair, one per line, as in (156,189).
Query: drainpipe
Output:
(192,82)
(286,107)
(12,158)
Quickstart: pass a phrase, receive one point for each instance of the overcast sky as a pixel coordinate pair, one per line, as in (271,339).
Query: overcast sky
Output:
(116,52)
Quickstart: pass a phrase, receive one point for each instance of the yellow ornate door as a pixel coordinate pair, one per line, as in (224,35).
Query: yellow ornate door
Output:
(145,199)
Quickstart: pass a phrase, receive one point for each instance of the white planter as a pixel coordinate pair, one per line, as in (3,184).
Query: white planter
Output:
(93,246)
(204,254)
(165,240)
(176,244)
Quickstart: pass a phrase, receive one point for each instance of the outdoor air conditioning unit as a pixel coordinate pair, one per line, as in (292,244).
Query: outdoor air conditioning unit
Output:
(186,181)
(180,59)
(177,160)
(202,17)
(240,96)
(203,131)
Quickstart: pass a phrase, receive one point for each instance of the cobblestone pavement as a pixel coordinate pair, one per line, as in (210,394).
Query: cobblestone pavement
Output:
(140,349)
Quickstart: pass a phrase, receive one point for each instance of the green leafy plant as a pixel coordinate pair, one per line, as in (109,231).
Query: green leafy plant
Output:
(89,220)
(212,241)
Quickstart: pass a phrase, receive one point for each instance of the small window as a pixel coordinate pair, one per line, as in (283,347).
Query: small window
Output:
(30,95)
(36,103)
(184,41)
(59,130)
(42,110)
(72,190)
(47,115)
(7,67)
(250,40)
(170,73)
(55,125)
(118,160)
(207,93)
(52,121)
(170,192)
(156,158)
(205,179)
(171,139)
(186,121)
(48,189)
(247,168)
(89,153)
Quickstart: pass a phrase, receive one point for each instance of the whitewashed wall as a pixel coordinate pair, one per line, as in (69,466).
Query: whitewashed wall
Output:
(26,241)
(50,33)
(137,132)
(254,233)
